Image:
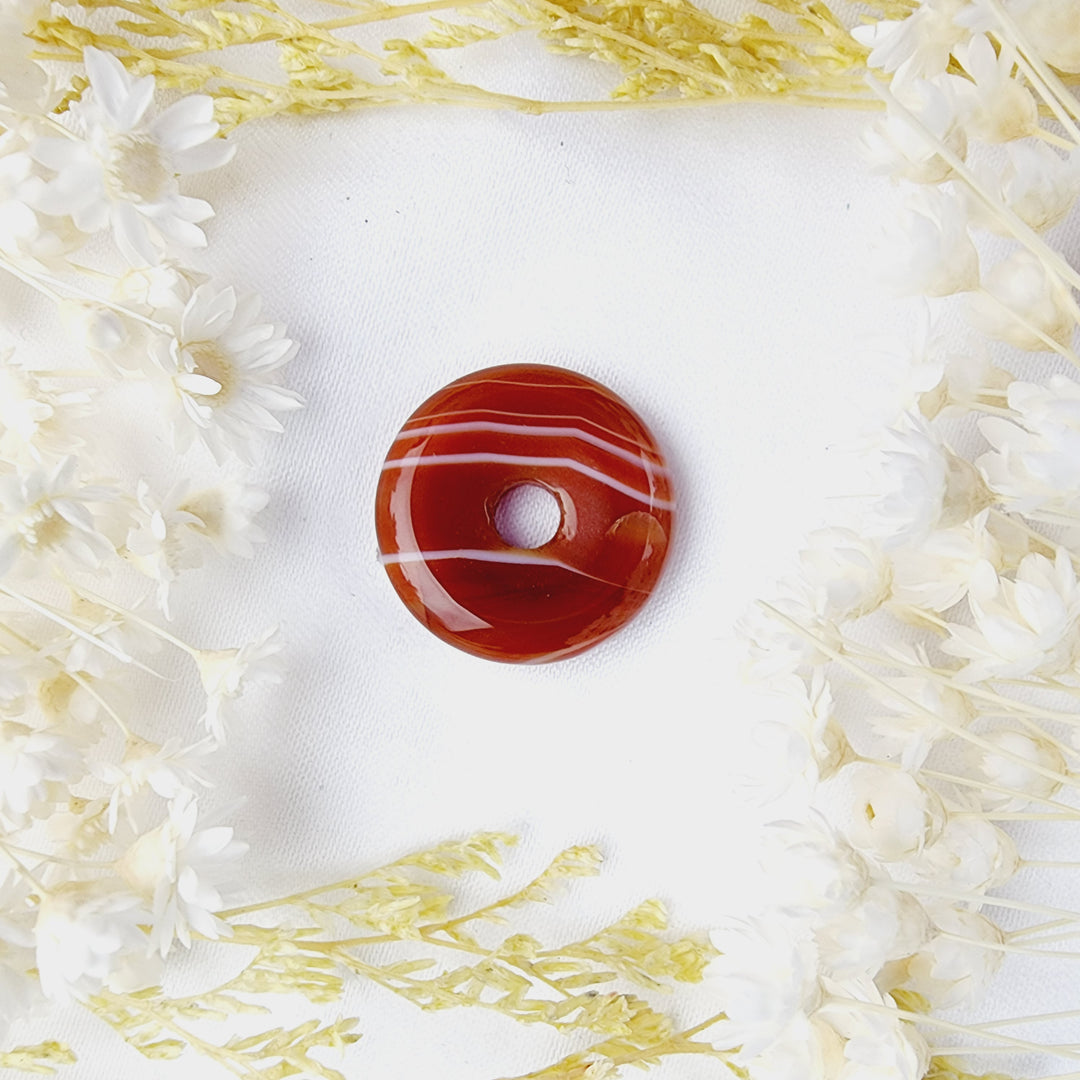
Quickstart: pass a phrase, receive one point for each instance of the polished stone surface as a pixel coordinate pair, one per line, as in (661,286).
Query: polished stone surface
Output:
(455,459)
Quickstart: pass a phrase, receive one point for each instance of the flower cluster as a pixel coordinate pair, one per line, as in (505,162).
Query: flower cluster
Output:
(104,862)
(928,649)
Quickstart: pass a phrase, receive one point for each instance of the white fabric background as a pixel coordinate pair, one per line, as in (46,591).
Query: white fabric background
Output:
(712,266)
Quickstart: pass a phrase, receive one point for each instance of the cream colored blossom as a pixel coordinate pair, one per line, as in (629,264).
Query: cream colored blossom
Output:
(893,815)
(120,169)
(177,869)
(219,373)
(227,673)
(1024,305)
(45,514)
(1028,624)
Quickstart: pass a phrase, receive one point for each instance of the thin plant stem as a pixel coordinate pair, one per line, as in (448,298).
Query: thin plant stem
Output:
(54,616)
(924,1019)
(917,889)
(959,732)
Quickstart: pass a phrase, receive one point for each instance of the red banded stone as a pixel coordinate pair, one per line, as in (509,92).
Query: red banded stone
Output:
(462,451)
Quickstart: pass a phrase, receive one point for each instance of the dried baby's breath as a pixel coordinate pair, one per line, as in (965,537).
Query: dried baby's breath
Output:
(666,51)
(319,936)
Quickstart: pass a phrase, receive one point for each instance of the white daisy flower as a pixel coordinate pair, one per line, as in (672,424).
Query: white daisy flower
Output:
(900,148)
(970,855)
(929,252)
(48,514)
(1000,108)
(119,169)
(167,770)
(926,486)
(219,372)
(227,673)
(1039,185)
(958,962)
(934,573)
(88,936)
(176,868)
(36,423)
(226,516)
(919,45)
(160,540)
(1029,625)
(1053,28)
(892,815)
(33,765)
(1024,305)
(847,575)
(766,975)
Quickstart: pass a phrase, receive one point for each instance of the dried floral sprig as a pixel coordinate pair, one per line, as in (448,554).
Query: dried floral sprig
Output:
(321,935)
(105,861)
(668,52)
(932,642)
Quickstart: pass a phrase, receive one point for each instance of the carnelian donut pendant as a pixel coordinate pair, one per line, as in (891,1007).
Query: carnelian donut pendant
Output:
(459,455)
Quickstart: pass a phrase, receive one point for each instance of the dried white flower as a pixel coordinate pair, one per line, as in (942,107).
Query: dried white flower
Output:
(45,514)
(847,575)
(971,855)
(929,251)
(899,146)
(926,487)
(882,925)
(35,423)
(227,673)
(33,766)
(177,869)
(219,373)
(1026,776)
(1035,461)
(120,169)
(1024,305)
(787,639)
(226,516)
(1027,625)
(893,815)
(1001,109)
(877,1044)
(816,871)
(919,713)
(87,936)
(767,975)
(1053,27)
(933,574)
(958,961)
(1039,185)
(161,540)
(919,45)
(168,770)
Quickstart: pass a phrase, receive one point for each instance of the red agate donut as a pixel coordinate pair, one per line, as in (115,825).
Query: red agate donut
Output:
(460,453)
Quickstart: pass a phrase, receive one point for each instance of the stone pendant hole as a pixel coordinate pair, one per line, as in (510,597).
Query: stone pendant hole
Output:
(527,516)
